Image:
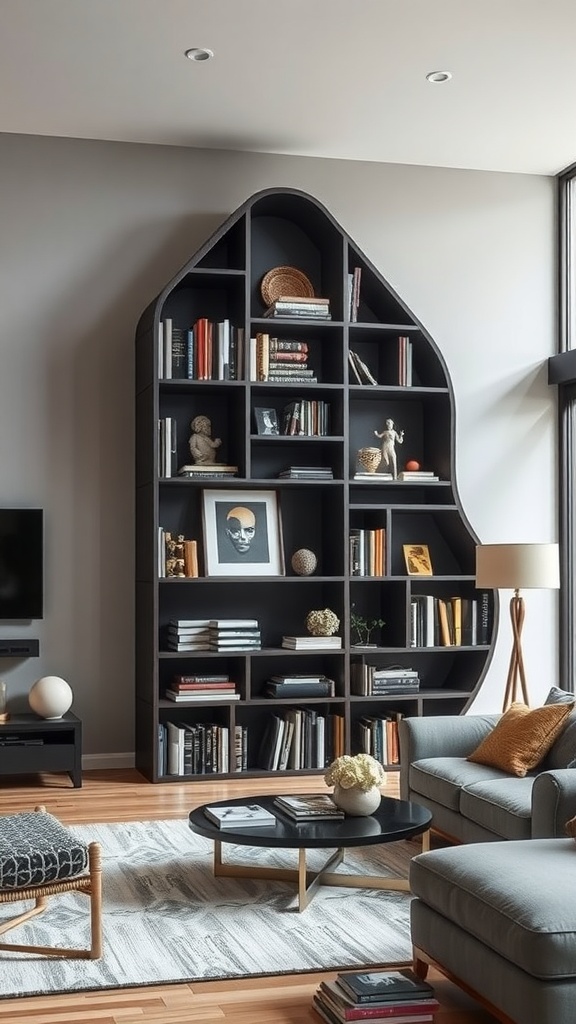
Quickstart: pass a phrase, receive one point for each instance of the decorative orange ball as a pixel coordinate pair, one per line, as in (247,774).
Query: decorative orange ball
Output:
(412,466)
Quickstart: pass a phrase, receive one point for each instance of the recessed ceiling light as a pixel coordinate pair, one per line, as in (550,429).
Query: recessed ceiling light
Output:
(438,76)
(199,53)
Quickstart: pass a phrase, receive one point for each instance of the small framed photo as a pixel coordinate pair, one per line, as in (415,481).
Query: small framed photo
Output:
(417,558)
(242,533)
(266,421)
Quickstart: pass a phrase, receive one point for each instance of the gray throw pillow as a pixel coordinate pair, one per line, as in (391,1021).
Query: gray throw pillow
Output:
(558,696)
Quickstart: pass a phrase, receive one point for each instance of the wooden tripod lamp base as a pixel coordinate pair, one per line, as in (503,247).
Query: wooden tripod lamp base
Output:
(517,567)
(516,674)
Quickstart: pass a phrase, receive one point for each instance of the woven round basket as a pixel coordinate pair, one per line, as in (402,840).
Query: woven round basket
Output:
(285,281)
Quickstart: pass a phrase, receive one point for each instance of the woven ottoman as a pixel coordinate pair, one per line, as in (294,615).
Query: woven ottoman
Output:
(39,858)
(500,920)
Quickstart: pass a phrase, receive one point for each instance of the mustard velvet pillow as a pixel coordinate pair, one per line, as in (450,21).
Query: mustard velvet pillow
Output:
(521,738)
(570,828)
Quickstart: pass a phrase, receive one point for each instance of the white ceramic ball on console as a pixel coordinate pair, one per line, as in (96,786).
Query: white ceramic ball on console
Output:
(50,697)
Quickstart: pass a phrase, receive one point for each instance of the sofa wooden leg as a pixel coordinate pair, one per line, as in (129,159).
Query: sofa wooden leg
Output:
(419,965)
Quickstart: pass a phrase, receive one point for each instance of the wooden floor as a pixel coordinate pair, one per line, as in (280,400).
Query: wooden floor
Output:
(123,796)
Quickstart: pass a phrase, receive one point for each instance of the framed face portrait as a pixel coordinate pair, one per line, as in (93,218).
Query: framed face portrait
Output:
(242,533)
(266,421)
(417,558)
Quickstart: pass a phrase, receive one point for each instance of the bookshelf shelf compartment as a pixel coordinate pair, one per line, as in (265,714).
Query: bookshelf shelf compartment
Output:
(285,227)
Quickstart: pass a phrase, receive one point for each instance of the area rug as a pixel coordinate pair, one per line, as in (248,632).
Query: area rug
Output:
(167,919)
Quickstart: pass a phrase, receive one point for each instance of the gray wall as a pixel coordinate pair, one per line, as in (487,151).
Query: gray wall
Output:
(90,233)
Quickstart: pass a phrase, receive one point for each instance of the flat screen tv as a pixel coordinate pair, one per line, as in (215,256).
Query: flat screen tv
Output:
(21,563)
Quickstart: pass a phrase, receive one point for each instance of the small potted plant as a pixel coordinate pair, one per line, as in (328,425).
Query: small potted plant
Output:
(361,629)
(356,780)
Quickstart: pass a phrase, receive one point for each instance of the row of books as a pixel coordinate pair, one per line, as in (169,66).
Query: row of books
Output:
(306,417)
(378,736)
(452,622)
(269,362)
(404,362)
(296,306)
(354,294)
(177,555)
(367,552)
(200,748)
(376,996)
(371,681)
(301,738)
(206,351)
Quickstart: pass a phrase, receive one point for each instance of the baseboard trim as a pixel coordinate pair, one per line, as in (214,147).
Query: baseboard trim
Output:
(92,762)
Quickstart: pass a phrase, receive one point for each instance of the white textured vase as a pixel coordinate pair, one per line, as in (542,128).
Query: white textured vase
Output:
(358,803)
(50,697)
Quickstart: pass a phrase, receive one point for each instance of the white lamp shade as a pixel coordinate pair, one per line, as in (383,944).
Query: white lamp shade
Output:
(518,566)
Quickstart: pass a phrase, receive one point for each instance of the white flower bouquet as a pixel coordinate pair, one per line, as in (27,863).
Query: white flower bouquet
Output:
(358,772)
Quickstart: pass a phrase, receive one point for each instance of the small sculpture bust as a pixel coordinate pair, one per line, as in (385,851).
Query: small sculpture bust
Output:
(202,447)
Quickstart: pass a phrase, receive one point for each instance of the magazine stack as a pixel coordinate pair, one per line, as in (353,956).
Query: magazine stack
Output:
(376,996)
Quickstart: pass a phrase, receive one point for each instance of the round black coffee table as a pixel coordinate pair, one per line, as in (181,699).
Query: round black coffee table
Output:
(394,820)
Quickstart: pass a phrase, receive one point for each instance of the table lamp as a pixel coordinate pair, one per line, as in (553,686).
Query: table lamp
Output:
(517,567)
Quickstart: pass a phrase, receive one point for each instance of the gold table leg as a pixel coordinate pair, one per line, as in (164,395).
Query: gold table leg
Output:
(309,881)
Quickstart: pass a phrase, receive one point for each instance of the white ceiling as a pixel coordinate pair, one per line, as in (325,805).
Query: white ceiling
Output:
(323,78)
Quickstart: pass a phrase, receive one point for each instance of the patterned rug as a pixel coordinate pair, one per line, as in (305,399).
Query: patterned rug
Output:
(166,919)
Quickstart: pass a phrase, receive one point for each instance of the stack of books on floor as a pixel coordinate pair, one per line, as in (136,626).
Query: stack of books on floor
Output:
(210,688)
(309,807)
(188,635)
(234,635)
(305,643)
(309,307)
(239,816)
(306,473)
(394,997)
(299,685)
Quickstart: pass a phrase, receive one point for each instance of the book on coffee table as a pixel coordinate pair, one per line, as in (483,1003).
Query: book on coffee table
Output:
(309,807)
(239,816)
(382,986)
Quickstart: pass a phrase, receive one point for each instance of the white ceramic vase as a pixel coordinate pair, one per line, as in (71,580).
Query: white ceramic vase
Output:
(50,697)
(358,803)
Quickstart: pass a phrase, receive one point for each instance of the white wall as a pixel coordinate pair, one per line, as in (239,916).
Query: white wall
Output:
(91,231)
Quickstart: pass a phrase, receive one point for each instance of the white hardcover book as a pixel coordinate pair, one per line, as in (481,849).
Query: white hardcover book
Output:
(252,363)
(239,815)
(160,363)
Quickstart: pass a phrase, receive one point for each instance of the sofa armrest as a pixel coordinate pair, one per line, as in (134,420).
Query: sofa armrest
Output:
(553,802)
(439,736)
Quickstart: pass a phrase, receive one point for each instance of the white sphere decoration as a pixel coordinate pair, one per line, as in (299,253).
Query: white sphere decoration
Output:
(50,697)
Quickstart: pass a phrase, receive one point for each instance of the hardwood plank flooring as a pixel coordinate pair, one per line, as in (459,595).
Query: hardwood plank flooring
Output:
(124,796)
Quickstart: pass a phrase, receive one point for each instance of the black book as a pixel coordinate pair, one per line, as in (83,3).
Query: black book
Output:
(303,689)
(380,986)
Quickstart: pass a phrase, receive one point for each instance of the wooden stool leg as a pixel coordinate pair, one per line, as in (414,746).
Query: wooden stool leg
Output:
(95,866)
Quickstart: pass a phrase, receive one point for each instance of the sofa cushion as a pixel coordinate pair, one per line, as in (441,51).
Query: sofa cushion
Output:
(558,696)
(513,897)
(502,806)
(563,750)
(36,848)
(522,738)
(441,778)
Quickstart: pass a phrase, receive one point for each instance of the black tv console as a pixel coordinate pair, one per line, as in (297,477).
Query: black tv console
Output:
(31,744)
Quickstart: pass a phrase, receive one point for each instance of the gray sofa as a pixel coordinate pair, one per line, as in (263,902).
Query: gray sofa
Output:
(474,803)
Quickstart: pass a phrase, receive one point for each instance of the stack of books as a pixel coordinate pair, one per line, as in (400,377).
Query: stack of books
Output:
(215,472)
(306,473)
(300,686)
(234,635)
(188,635)
(305,643)
(370,681)
(240,816)
(212,688)
(309,807)
(267,362)
(311,308)
(420,475)
(377,996)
